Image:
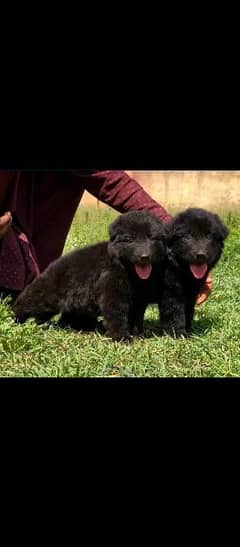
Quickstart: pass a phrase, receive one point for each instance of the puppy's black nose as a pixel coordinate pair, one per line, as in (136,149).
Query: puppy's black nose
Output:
(144,258)
(201,257)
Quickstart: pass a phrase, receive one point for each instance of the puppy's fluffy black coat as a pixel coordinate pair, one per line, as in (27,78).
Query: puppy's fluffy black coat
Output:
(195,240)
(115,279)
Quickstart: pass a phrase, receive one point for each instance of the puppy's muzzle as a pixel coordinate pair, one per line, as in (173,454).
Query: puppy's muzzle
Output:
(144,258)
(201,257)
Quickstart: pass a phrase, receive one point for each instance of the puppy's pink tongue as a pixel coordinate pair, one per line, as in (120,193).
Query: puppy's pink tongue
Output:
(143,270)
(198,271)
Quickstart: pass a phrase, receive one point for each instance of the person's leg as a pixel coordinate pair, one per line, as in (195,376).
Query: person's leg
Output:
(56,198)
(5,185)
(42,206)
(5,189)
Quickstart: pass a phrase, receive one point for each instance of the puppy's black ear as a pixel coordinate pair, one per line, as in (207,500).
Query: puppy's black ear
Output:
(170,231)
(113,254)
(113,229)
(221,231)
(112,233)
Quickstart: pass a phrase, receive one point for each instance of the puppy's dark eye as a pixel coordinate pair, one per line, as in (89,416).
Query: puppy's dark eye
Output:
(176,237)
(173,239)
(124,239)
(156,238)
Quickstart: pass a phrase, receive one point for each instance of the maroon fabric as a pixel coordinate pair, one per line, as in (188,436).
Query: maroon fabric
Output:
(18,261)
(43,205)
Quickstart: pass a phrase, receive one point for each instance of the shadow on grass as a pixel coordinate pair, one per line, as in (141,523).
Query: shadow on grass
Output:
(200,327)
(63,327)
(151,327)
(205,324)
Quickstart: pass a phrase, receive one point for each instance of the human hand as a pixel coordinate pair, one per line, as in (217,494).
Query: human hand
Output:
(206,290)
(5,223)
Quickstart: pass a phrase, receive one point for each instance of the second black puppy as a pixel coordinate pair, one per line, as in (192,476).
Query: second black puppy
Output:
(115,279)
(195,240)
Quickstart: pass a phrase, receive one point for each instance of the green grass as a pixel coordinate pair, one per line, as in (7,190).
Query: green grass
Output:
(31,350)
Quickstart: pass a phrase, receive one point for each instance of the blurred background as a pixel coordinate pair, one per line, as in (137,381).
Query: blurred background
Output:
(217,190)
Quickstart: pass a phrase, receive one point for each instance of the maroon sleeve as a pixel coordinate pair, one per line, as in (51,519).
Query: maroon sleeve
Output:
(117,189)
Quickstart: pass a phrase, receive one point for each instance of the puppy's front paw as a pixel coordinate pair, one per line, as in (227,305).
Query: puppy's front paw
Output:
(173,332)
(138,332)
(122,337)
(180,334)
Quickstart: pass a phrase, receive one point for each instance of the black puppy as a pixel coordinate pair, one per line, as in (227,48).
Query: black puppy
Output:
(141,250)
(112,279)
(195,240)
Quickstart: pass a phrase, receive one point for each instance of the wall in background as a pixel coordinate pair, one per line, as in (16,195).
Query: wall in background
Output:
(179,189)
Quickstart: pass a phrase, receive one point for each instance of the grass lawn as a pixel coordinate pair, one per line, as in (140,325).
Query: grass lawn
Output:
(31,350)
